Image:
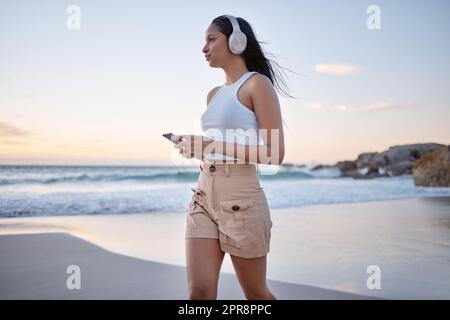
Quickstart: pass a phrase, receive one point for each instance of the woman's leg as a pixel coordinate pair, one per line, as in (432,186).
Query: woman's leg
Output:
(203,261)
(251,273)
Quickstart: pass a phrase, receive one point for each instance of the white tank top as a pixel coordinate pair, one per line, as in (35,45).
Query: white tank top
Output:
(225,111)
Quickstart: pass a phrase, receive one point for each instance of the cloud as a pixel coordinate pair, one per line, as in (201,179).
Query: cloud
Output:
(13,142)
(8,130)
(314,105)
(377,106)
(336,69)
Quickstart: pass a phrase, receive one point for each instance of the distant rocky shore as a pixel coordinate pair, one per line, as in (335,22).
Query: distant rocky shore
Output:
(429,163)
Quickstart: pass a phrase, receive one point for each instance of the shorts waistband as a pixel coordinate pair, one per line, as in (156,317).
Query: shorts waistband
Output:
(215,168)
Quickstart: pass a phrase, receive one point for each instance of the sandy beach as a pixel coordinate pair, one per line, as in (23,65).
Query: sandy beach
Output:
(33,266)
(317,252)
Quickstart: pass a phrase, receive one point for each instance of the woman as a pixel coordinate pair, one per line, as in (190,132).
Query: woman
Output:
(229,211)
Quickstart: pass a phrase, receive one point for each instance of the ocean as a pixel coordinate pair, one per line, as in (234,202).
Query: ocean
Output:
(91,190)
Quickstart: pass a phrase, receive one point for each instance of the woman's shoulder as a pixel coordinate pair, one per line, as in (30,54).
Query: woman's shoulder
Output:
(259,84)
(259,80)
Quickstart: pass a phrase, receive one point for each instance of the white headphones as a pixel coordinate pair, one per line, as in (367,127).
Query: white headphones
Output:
(238,40)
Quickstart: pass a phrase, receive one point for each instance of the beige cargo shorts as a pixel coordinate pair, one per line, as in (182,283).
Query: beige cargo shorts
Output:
(229,204)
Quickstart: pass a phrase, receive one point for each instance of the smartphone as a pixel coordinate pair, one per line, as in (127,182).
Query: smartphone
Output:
(170,136)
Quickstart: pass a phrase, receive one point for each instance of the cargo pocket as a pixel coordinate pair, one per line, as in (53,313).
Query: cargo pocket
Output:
(196,205)
(243,223)
(197,215)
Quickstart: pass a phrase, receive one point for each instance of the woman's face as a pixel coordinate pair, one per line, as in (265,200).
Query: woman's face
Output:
(216,48)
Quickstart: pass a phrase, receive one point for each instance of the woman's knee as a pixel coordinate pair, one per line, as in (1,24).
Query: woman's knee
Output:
(202,293)
(259,294)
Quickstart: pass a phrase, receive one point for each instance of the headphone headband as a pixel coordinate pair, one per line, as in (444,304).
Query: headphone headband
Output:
(234,22)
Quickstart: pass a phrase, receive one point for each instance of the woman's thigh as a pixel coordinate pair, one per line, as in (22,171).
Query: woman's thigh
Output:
(203,262)
(251,273)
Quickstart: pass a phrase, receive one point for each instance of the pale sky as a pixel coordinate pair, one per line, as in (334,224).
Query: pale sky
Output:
(105,93)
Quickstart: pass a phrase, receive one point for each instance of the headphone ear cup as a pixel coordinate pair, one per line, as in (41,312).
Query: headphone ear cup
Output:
(237,42)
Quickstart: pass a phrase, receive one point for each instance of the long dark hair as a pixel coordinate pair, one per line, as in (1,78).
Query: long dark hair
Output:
(254,56)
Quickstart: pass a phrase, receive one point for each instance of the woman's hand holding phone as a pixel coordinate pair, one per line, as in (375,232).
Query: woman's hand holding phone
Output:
(192,146)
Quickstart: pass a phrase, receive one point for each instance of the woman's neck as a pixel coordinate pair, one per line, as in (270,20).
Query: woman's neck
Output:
(234,71)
